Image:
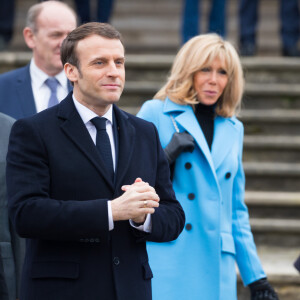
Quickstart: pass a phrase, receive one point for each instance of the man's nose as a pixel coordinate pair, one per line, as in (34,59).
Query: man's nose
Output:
(112,70)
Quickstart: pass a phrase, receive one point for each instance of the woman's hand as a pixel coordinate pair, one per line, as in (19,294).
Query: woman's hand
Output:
(262,290)
(180,142)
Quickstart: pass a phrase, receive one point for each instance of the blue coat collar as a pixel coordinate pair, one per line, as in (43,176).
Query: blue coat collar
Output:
(224,133)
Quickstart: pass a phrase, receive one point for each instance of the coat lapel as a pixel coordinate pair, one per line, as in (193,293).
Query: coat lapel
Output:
(224,133)
(187,120)
(75,129)
(24,92)
(126,132)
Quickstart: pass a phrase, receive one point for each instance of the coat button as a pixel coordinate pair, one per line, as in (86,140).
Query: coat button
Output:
(228,175)
(188,226)
(116,261)
(188,165)
(191,196)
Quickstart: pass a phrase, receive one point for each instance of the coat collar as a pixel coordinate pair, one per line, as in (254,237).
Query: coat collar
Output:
(24,91)
(75,129)
(224,132)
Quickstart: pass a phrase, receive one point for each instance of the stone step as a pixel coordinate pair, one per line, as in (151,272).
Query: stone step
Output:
(271,95)
(271,121)
(272,148)
(278,264)
(145,29)
(153,26)
(272,205)
(147,73)
(257,69)
(281,125)
(154,67)
(269,231)
(266,95)
(271,69)
(272,176)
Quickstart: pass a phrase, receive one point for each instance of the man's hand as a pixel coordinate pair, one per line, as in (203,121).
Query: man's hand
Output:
(138,200)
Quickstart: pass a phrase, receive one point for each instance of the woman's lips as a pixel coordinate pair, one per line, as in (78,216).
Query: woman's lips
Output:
(211,93)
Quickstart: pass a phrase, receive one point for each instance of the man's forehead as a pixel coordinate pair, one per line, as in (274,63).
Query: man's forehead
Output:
(56,15)
(98,44)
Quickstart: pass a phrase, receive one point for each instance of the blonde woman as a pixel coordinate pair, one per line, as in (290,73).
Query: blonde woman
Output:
(194,113)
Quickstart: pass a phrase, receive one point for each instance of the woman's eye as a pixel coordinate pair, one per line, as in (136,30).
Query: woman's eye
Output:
(223,72)
(205,69)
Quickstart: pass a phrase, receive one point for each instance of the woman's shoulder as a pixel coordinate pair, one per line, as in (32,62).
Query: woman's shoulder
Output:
(150,108)
(235,121)
(153,103)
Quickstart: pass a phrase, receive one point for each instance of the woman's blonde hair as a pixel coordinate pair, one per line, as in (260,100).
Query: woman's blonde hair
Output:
(197,53)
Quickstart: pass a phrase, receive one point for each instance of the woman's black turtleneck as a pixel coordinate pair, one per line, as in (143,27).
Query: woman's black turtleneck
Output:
(205,115)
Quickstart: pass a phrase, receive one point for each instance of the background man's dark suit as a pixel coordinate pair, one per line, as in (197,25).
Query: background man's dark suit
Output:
(16,93)
(47,25)
(71,254)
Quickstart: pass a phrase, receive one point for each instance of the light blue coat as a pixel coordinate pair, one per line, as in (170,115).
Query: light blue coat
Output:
(210,186)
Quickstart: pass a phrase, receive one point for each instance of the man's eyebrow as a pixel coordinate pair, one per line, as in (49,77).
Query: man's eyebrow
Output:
(104,59)
(100,58)
(56,32)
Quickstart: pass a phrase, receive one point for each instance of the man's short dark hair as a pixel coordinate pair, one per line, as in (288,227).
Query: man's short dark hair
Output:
(68,47)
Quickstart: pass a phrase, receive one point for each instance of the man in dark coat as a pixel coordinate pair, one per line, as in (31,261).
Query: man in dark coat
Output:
(87,214)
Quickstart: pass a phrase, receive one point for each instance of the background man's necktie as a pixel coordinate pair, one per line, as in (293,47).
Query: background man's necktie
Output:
(103,144)
(52,83)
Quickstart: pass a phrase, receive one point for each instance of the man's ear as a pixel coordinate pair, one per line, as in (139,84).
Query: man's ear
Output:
(71,72)
(29,37)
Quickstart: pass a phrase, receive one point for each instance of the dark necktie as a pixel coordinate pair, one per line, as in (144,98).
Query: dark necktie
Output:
(103,144)
(52,83)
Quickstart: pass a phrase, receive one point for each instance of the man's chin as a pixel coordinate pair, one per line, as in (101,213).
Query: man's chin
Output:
(58,67)
(113,98)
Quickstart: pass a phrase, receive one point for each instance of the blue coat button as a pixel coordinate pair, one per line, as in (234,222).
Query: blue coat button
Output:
(188,226)
(191,196)
(228,175)
(188,165)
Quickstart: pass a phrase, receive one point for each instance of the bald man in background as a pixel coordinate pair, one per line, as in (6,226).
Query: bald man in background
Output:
(42,83)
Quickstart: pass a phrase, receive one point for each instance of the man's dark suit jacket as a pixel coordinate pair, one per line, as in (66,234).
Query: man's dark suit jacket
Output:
(12,247)
(16,98)
(58,193)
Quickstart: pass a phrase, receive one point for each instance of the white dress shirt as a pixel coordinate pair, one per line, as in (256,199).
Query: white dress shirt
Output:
(86,115)
(41,92)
